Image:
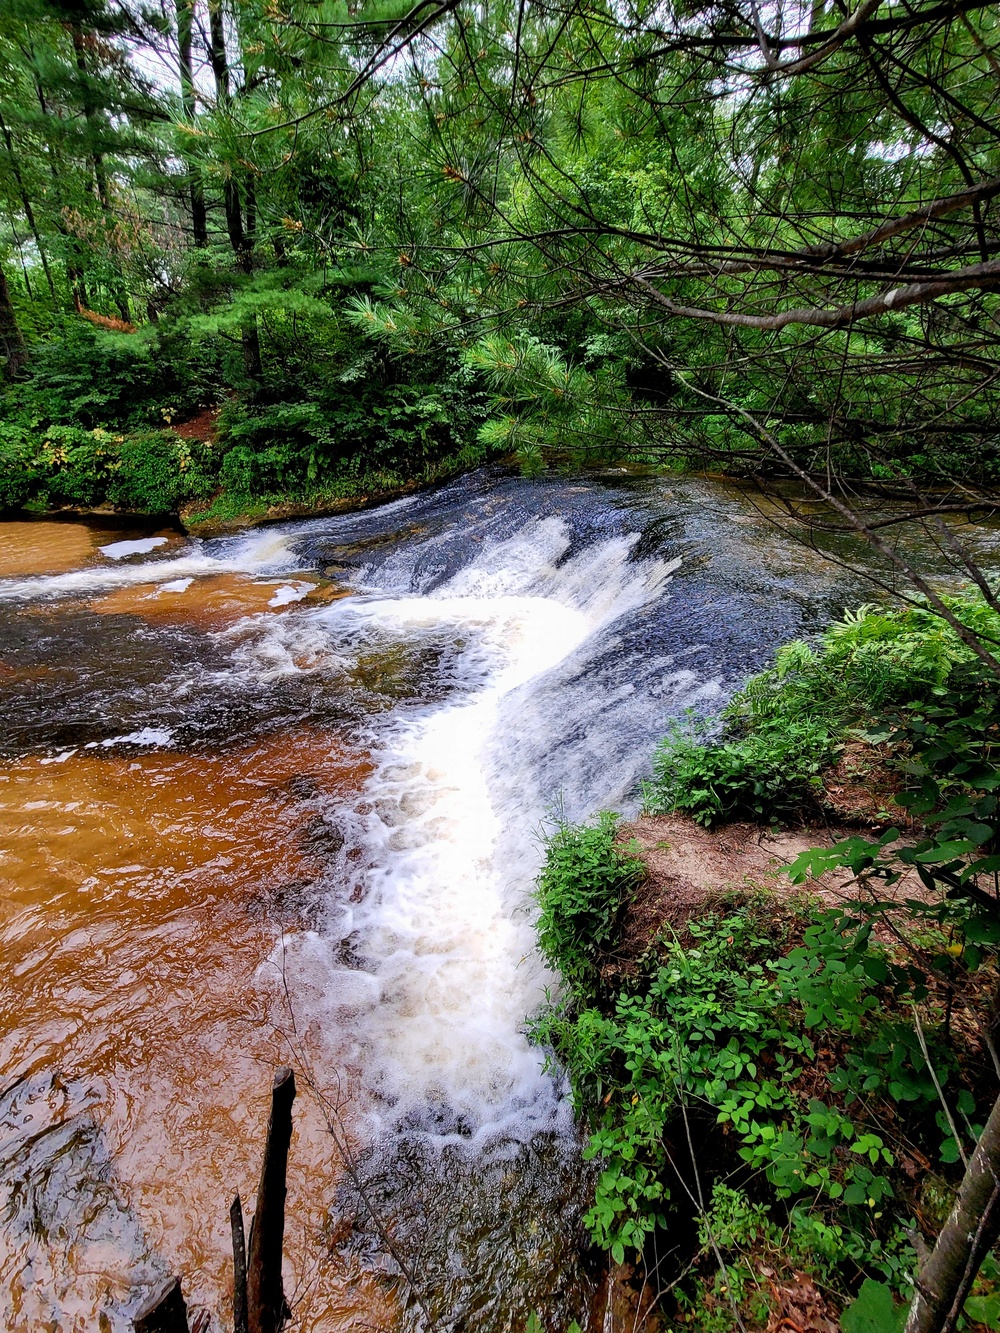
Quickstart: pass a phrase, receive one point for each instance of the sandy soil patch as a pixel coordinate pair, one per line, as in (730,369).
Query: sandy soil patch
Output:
(689,868)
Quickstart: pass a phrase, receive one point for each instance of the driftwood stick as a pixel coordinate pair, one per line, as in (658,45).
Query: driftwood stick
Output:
(266,1307)
(239,1267)
(163,1311)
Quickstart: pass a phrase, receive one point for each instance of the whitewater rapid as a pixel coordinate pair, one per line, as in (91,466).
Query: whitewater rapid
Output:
(447,969)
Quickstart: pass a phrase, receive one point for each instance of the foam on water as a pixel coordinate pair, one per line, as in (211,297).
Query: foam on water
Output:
(290,592)
(152,736)
(264,552)
(445,967)
(176,585)
(142,546)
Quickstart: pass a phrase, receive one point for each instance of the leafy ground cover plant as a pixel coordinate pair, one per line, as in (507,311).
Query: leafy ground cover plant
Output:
(583,886)
(771,1055)
(788,723)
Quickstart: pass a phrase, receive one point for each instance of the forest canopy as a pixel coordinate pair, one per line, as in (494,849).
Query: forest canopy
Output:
(394,239)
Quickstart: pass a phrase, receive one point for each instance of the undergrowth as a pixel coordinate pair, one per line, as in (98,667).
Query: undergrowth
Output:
(92,422)
(769,1059)
(781,1099)
(789,723)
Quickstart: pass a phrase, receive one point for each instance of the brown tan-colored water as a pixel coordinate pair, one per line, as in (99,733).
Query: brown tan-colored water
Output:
(140,899)
(143,898)
(215,601)
(45,547)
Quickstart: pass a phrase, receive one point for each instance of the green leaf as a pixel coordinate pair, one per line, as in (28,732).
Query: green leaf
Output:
(945,851)
(984,1310)
(873,1311)
(982,930)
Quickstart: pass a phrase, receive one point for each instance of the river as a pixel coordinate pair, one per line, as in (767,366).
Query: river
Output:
(279,797)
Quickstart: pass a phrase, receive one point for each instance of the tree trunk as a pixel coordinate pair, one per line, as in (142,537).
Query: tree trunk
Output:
(199,215)
(74,265)
(29,212)
(11,338)
(266,1307)
(90,113)
(217,50)
(945,1279)
(119,292)
(239,238)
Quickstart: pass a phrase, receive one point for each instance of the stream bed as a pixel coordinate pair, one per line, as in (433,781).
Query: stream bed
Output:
(279,798)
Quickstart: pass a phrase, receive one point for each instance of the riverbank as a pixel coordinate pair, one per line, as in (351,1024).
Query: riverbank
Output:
(196,503)
(780,981)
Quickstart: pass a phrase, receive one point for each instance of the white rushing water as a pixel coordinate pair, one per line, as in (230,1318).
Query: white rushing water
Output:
(261,553)
(448,968)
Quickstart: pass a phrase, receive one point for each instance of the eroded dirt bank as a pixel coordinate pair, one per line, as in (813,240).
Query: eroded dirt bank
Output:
(690,869)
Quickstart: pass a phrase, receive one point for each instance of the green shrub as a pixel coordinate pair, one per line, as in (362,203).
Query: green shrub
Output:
(787,723)
(247,472)
(156,471)
(587,878)
(19,474)
(152,471)
(88,377)
(346,428)
(724,1030)
(770,771)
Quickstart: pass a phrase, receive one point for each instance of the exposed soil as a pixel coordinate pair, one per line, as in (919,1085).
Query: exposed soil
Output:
(202,426)
(689,869)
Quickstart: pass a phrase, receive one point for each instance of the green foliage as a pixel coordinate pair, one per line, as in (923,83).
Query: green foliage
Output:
(721,1033)
(944,733)
(587,878)
(294,446)
(770,771)
(91,378)
(153,471)
(873,1311)
(19,471)
(786,725)
(726,1026)
(872,659)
